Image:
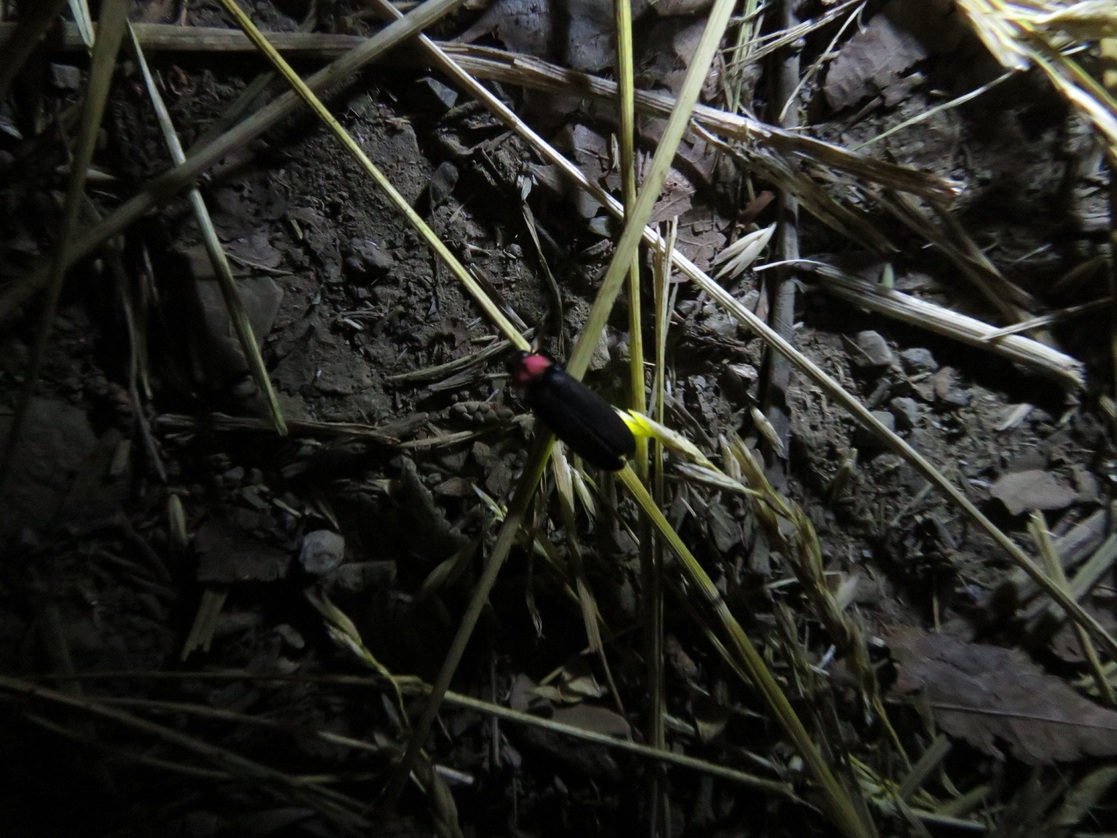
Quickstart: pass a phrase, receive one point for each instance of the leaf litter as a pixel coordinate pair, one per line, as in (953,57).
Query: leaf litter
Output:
(989,695)
(402,478)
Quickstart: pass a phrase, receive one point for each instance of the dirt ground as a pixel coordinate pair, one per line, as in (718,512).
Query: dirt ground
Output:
(173,659)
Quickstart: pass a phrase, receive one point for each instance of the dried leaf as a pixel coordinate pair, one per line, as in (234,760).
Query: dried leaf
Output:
(256,250)
(986,693)
(879,59)
(594,719)
(710,717)
(577,681)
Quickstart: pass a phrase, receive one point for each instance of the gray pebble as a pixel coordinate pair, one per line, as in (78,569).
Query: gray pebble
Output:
(432,95)
(875,351)
(906,412)
(723,325)
(947,390)
(918,360)
(65,76)
(365,256)
(442,182)
(321,552)
(358,577)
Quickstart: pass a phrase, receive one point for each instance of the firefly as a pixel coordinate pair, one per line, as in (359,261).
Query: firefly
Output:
(573,412)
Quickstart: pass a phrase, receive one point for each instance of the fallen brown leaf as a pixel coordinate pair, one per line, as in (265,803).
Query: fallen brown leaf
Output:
(987,693)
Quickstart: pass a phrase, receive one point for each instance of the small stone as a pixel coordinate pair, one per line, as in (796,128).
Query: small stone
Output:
(366,257)
(1085,485)
(906,412)
(875,351)
(244,389)
(867,440)
(947,391)
(1029,459)
(290,635)
(443,181)
(386,296)
(358,577)
(722,325)
(745,374)
(432,95)
(918,360)
(261,298)
(321,552)
(65,76)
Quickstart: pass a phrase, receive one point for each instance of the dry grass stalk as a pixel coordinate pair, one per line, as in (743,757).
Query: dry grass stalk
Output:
(792,536)
(410,686)
(176,422)
(1037,526)
(901,447)
(646,236)
(169,37)
(844,805)
(949,238)
(238,316)
(536,74)
(943,321)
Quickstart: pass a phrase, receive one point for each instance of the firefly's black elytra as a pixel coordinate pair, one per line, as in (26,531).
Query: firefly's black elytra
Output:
(573,412)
